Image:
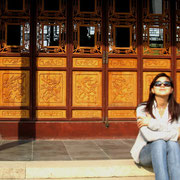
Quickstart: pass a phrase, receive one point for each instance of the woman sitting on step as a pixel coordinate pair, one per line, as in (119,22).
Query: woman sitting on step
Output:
(158,121)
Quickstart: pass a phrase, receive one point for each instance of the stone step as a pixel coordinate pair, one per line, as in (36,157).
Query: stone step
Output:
(94,169)
(112,178)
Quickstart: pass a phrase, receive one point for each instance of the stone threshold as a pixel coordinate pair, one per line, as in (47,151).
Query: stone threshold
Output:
(93,169)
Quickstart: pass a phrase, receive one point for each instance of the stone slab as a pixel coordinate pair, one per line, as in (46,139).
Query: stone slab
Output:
(85,169)
(12,170)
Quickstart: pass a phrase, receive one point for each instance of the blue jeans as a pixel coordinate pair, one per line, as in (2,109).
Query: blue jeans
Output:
(164,157)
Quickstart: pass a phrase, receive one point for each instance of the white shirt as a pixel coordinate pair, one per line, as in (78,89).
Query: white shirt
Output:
(158,128)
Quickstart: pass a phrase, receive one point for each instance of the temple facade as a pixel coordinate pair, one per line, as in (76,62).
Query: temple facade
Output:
(79,68)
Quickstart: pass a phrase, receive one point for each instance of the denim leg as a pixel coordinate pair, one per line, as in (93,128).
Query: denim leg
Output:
(173,151)
(159,159)
(155,154)
(145,156)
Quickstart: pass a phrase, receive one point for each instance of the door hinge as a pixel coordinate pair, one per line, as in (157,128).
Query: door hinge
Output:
(105,57)
(106,122)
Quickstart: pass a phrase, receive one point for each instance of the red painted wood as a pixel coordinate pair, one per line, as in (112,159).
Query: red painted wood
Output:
(67,130)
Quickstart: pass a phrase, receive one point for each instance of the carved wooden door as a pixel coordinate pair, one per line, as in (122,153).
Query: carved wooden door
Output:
(122,60)
(71,68)
(140,45)
(87,102)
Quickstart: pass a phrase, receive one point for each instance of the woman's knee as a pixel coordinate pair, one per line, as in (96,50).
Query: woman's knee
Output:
(173,146)
(159,145)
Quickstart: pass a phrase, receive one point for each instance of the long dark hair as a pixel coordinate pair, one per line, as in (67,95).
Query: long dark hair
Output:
(174,107)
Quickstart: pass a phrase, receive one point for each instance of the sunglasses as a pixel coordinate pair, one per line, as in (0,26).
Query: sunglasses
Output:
(165,83)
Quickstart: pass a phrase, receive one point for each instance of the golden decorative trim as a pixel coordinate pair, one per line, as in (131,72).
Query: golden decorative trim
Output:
(87,114)
(51,62)
(51,114)
(14,113)
(178,64)
(121,114)
(156,63)
(122,63)
(14,61)
(87,62)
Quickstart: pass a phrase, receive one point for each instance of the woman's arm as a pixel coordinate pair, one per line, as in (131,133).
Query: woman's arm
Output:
(151,135)
(144,119)
(151,123)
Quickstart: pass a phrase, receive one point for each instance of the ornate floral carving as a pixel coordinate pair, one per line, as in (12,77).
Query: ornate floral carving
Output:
(50,89)
(87,89)
(14,88)
(122,89)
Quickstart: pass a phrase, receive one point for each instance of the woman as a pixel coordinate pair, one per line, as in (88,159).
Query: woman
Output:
(158,121)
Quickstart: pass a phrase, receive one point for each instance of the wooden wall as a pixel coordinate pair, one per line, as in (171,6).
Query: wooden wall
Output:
(74,91)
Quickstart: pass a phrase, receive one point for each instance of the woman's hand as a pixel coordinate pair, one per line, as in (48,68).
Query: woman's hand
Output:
(179,134)
(143,121)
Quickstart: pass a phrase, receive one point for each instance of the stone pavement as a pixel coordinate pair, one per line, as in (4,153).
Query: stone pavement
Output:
(65,150)
(96,159)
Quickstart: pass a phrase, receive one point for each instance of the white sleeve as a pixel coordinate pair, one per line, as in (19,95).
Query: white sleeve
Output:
(151,135)
(154,124)
(140,111)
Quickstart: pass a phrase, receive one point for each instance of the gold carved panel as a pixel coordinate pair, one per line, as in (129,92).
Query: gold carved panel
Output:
(87,89)
(51,114)
(87,62)
(156,63)
(51,88)
(14,88)
(178,87)
(14,61)
(87,114)
(178,64)
(121,114)
(147,79)
(122,89)
(14,113)
(51,62)
(122,63)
